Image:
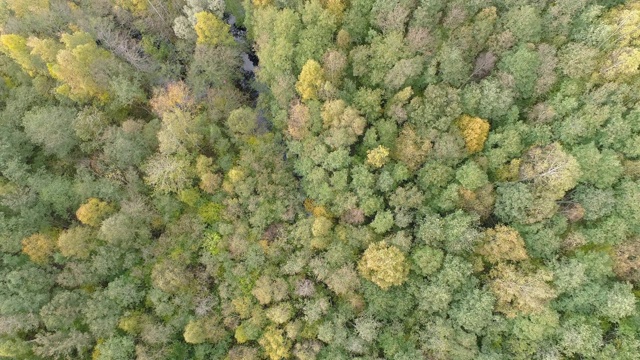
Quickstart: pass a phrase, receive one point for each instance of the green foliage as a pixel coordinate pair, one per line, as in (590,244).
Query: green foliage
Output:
(427,260)
(394,179)
(471,176)
(116,348)
(522,63)
(383,222)
(48,126)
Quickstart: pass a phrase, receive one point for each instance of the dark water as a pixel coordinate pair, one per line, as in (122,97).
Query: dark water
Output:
(249,58)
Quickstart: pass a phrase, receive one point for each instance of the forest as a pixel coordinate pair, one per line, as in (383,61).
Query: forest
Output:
(320,179)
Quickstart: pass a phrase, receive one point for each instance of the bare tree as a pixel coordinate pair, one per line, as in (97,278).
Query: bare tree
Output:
(484,64)
(124,46)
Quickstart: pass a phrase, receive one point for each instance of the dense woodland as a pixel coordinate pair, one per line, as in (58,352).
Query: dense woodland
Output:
(395,179)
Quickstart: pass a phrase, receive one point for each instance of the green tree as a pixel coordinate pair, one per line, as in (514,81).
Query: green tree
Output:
(49,127)
(116,348)
(522,63)
(525,23)
(168,173)
(77,242)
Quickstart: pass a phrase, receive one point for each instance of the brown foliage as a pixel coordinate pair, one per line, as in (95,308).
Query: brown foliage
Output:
(299,117)
(627,260)
(174,95)
(411,148)
(485,62)
(480,201)
(353,216)
(502,243)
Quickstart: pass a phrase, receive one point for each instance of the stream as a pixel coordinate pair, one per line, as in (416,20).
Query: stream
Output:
(249,58)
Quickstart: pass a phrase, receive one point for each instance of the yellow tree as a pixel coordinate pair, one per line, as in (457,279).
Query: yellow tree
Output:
(378,157)
(24,7)
(211,30)
(39,247)
(274,344)
(474,131)
(343,123)
(310,80)
(623,23)
(299,120)
(46,49)
(93,212)
(202,330)
(83,68)
(15,46)
(168,98)
(384,265)
(135,6)
(77,242)
(262,3)
(411,148)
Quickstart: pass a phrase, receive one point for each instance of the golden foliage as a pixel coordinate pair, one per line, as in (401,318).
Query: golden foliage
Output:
(509,171)
(480,201)
(210,182)
(262,3)
(384,265)
(24,7)
(344,123)
(76,67)
(474,131)
(316,210)
(321,226)
(502,243)
(274,344)
(343,39)
(310,80)
(174,95)
(378,157)
(203,330)
(551,170)
(335,7)
(39,247)
(624,60)
(135,6)
(93,212)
